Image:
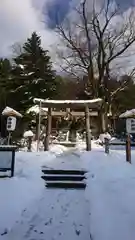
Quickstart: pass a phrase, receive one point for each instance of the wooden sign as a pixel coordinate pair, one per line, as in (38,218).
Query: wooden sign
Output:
(130,125)
(7,158)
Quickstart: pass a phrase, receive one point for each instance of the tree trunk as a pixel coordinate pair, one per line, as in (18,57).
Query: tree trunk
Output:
(103,118)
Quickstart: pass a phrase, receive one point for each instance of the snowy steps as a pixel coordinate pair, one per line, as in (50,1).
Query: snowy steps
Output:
(62,177)
(65,184)
(67,179)
(64,171)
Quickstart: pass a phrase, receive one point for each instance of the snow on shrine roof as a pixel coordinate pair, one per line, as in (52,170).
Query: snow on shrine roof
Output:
(35,109)
(11,112)
(128,113)
(49,103)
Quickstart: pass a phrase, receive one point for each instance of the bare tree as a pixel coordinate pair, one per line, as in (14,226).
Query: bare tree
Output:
(17,49)
(93,41)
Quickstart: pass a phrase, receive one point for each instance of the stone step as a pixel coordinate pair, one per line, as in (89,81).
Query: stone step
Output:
(63,171)
(63,177)
(65,184)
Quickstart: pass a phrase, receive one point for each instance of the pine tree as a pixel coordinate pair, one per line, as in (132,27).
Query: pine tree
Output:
(5,80)
(33,74)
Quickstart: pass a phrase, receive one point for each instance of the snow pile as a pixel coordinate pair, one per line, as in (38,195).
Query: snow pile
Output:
(102,137)
(57,149)
(11,112)
(128,113)
(28,134)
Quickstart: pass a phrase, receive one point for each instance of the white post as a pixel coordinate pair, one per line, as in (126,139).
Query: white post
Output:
(39,123)
(67,136)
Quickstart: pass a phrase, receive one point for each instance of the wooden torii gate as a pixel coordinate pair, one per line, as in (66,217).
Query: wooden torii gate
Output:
(86,104)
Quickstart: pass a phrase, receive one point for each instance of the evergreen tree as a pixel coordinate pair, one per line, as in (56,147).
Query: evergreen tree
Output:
(33,74)
(5,80)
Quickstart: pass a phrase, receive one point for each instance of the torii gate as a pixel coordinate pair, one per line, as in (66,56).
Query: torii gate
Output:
(86,104)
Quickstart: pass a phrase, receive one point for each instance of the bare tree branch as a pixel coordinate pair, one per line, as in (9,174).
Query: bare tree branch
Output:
(95,42)
(91,71)
(120,89)
(71,42)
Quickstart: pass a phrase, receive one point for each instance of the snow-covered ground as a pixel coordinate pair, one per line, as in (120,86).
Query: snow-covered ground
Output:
(111,195)
(103,211)
(20,191)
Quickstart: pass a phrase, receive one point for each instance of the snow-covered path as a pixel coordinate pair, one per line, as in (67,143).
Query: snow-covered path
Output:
(57,215)
(103,211)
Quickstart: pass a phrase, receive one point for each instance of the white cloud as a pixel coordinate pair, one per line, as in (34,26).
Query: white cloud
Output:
(18,19)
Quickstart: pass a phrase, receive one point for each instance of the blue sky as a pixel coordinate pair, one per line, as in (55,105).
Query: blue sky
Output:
(57,8)
(61,7)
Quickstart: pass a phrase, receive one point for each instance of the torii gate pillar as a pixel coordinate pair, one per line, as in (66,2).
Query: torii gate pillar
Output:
(48,130)
(88,133)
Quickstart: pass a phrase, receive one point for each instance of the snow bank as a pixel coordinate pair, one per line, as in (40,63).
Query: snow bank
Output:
(111,196)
